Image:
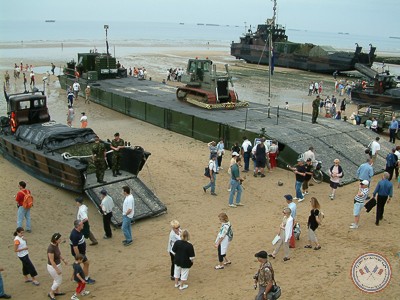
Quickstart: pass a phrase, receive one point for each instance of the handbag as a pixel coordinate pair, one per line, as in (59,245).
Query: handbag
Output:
(367,151)
(370,204)
(207,172)
(274,293)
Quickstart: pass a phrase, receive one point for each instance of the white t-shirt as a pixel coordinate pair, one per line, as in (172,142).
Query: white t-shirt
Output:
(173,237)
(107,204)
(76,86)
(212,166)
(22,244)
(84,119)
(375,147)
(245,145)
(129,203)
(82,212)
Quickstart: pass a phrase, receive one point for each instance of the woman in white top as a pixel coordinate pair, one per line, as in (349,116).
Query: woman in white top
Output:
(222,241)
(21,249)
(174,236)
(70,115)
(285,233)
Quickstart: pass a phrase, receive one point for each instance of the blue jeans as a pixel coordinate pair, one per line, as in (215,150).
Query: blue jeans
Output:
(235,187)
(299,194)
(127,228)
(24,213)
(211,184)
(1,286)
(246,158)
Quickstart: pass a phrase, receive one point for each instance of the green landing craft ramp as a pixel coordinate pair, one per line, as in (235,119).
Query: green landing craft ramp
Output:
(147,203)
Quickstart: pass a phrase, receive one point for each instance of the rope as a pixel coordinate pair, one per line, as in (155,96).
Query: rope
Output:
(151,181)
(50,123)
(67,155)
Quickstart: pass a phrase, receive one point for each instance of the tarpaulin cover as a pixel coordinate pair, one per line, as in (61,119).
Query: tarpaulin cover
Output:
(55,136)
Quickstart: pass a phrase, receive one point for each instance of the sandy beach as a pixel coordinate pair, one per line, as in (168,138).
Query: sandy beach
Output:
(174,172)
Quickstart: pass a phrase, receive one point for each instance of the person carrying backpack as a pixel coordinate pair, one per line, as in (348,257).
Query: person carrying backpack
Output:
(224,237)
(24,201)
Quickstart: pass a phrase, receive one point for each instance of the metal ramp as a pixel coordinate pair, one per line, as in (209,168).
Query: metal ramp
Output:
(146,203)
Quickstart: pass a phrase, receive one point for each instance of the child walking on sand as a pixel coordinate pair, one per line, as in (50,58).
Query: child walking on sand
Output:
(79,277)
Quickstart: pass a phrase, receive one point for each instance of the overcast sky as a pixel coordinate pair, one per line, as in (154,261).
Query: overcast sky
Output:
(371,17)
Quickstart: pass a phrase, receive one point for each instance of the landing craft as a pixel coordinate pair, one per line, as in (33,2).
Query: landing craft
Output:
(62,156)
(253,48)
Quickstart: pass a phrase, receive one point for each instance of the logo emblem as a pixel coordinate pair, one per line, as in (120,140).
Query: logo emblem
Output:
(371,272)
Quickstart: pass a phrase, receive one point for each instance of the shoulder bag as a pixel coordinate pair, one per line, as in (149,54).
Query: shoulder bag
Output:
(275,292)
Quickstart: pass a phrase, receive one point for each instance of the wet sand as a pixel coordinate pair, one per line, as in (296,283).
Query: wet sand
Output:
(174,172)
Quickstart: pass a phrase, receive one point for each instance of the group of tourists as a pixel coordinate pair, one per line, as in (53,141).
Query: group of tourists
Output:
(175,74)
(263,154)
(77,241)
(72,97)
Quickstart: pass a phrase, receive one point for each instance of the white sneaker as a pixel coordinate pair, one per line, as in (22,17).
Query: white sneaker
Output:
(295,198)
(177,285)
(229,190)
(300,200)
(85,293)
(354,226)
(232,205)
(305,193)
(182,287)
(74,297)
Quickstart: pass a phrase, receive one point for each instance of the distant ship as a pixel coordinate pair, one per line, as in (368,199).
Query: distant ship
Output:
(253,48)
(50,21)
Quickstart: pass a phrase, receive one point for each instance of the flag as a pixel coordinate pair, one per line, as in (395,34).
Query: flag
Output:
(366,269)
(380,272)
(361,271)
(375,269)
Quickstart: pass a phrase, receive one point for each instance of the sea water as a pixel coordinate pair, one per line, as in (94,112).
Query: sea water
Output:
(21,34)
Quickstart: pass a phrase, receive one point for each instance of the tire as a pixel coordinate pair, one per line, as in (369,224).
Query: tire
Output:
(317,176)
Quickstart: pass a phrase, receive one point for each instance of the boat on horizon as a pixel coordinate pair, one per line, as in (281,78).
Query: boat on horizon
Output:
(50,21)
(253,48)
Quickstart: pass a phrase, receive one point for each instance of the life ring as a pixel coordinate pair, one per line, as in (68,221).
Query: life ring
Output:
(13,124)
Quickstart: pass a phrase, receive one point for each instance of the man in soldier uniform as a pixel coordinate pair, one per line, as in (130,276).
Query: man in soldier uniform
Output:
(315,110)
(117,144)
(264,277)
(99,158)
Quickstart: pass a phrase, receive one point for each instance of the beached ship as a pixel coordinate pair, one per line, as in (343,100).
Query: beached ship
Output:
(379,88)
(62,156)
(254,48)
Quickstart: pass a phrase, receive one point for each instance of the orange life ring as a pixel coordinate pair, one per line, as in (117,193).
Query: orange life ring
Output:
(13,124)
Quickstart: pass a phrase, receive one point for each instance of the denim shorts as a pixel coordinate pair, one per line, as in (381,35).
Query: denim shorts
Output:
(357,208)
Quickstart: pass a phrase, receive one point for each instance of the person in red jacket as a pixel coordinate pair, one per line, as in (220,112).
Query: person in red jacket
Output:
(23,212)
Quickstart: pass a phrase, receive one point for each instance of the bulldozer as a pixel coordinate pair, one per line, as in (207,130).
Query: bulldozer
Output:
(206,88)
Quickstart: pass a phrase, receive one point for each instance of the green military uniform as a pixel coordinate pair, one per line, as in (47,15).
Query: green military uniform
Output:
(116,157)
(99,161)
(315,109)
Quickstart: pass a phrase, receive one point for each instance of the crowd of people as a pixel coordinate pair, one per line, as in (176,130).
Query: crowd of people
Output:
(175,74)
(72,98)
(77,240)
